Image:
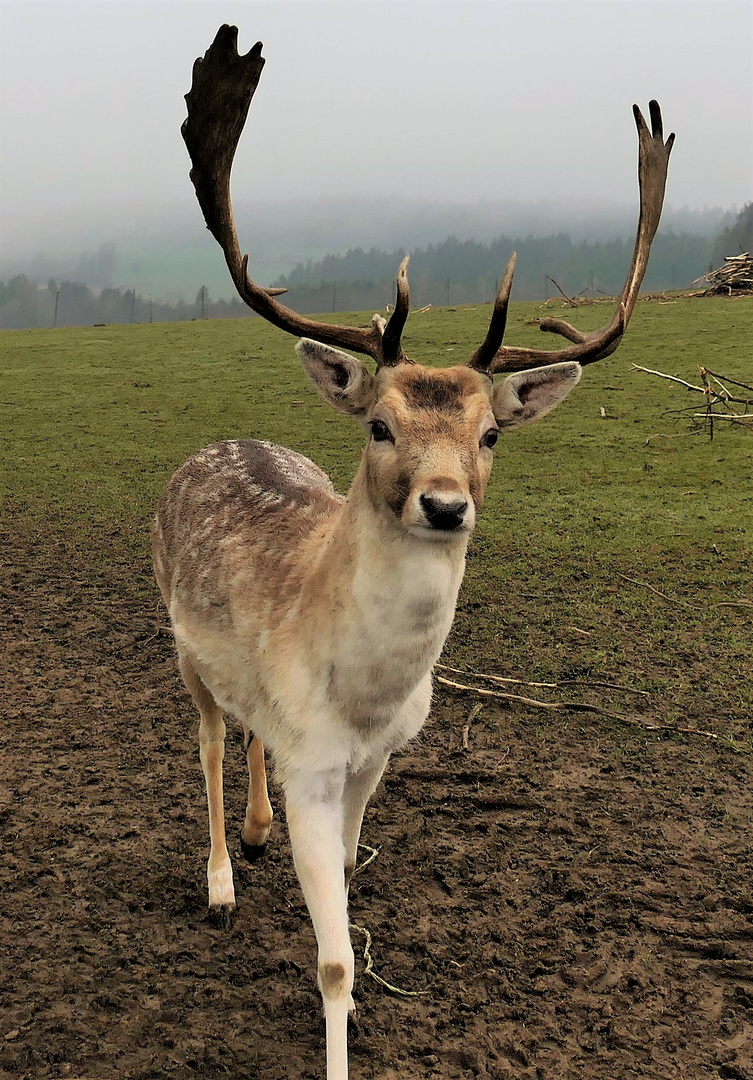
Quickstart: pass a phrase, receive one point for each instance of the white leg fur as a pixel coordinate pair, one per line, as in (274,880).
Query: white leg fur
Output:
(315,822)
(358,790)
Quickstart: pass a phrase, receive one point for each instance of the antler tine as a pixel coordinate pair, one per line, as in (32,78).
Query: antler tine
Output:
(486,352)
(653,162)
(392,350)
(218,102)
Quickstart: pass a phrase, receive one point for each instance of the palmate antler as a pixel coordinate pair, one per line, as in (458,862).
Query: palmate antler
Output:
(218,102)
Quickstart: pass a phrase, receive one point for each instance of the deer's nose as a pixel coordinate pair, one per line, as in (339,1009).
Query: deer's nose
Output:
(444,511)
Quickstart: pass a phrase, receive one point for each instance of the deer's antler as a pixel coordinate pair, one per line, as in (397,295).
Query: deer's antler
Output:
(218,102)
(493,356)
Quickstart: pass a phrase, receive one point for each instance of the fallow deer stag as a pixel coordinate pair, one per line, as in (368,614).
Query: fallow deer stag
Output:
(315,620)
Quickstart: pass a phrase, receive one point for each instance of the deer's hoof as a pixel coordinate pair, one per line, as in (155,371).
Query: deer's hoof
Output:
(221,915)
(252,852)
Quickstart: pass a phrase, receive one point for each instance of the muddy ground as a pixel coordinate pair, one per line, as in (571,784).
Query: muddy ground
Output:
(572,898)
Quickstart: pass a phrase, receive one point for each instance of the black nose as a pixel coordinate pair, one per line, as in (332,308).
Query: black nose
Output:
(443,512)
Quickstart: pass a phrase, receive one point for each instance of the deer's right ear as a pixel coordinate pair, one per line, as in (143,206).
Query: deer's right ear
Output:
(340,379)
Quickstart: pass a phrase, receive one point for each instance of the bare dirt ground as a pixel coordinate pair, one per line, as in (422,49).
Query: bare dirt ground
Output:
(572,899)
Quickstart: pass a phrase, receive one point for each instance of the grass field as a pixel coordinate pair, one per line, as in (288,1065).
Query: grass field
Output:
(571,892)
(95,419)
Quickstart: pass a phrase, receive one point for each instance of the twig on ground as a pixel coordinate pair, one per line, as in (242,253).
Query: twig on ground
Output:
(603,686)
(717,395)
(497,678)
(539,685)
(664,596)
(680,435)
(369,969)
(467,729)
(581,706)
(691,607)
(672,378)
(735,418)
(558,287)
(362,866)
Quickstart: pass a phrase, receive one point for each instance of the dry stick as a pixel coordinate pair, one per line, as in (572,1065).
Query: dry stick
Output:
(734,419)
(604,686)
(708,394)
(369,969)
(718,603)
(539,685)
(669,599)
(724,397)
(571,302)
(362,866)
(672,378)
(728,378)
(467,729)
(580,706)
(497,678)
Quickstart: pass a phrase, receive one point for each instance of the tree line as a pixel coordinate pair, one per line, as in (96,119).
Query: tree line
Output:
(466,271)
(452,272)
(24,304)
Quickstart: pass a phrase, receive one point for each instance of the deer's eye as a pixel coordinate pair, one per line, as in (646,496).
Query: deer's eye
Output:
(490,438)
(380,432)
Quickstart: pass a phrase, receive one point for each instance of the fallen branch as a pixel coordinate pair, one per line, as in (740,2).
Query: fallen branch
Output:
(497,678)
(467,729)
(671,378)
(716,395)
(369,969)
(561,291)
(674,600)
(664,596)
(582,706)
(362,866)
(539,685)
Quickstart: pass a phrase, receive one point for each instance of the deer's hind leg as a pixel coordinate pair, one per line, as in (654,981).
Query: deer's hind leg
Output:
(258,820)
(212,753)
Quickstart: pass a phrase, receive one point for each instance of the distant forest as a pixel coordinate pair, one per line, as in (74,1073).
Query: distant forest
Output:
(452,272)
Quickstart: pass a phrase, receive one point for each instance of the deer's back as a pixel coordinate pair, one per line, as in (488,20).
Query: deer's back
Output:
(233,506)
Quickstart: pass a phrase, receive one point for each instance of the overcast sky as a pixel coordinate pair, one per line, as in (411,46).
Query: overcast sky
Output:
(441,100)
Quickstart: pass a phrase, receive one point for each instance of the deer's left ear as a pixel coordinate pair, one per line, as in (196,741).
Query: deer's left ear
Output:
(528,395)
(340,379)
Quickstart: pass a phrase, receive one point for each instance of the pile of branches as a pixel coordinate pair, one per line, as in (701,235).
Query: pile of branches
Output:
(736,275)
(734,406)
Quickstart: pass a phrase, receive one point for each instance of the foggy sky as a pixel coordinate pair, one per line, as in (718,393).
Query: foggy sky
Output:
(453,101)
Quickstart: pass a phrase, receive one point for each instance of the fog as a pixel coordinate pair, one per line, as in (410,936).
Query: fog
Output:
(395,103)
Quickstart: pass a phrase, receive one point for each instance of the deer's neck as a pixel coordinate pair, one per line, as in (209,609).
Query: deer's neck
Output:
(387,600)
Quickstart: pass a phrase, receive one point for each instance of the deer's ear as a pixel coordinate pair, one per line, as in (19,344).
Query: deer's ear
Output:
(340,379)
(528,395)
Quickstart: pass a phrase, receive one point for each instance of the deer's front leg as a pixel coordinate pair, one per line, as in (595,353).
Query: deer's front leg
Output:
(359,787)
(314,806)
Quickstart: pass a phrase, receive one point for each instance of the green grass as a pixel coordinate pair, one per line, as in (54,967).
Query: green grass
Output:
(95,419)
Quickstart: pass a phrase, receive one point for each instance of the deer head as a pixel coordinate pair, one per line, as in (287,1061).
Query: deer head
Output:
(429,457)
